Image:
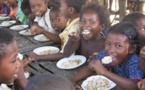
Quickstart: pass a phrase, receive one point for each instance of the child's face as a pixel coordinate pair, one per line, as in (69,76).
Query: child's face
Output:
(142,52)
(90,22)
(29,14)
(58,22)
(141,29)
(9,65)
(38,7)
(117,46)
(64,9)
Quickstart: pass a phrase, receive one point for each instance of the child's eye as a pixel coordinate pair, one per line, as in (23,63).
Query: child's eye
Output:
(91,22)
(57,20)
(118,46)
(107,43)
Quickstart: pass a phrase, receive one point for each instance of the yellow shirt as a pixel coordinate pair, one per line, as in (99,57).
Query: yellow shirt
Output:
(73,26)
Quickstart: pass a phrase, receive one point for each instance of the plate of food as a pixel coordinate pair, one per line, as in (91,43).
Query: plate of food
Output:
(41,38)
(26,32)
(4,18)
(19,27)
(46,50)
(7,23)
(97,82)
(71,62)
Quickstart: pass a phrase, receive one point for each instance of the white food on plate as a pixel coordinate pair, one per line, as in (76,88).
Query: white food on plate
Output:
(6,23)
(86,32)
(3,18)
(97,82)
(26,32)
(107,60)
(71,63)
(47,52)
(41,37)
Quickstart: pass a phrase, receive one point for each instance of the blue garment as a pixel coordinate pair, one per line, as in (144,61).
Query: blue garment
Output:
(129,69)
(5,10)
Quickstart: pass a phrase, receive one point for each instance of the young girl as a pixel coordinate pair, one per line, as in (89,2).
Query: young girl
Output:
(121,45)
(16,12)
(71,10)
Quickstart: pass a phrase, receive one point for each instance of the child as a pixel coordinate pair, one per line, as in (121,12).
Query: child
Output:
(141,84)
(16,12)
(139,20)
(41,12)
(9,62)
(4,9)
(71,10)
(25,7)
(49,82)
(121,45)
(58,21)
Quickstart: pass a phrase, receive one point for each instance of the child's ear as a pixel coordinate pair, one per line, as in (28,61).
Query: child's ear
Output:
(102,27)
(132,49)
(72,10)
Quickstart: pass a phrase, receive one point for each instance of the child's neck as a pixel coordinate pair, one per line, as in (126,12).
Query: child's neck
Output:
(74,16)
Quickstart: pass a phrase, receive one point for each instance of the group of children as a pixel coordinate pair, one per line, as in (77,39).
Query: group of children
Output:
(80,28)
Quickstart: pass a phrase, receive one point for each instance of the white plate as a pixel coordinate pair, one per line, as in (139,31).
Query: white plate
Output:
(45,50)
(4,18)
(71,62)
(100,81)
(41,38)
(7,23)
(26,33)
(19,27)
(3,15)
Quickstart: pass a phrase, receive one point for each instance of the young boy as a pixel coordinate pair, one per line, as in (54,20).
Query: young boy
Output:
(9,62)
(25,7)
(58,21)
(49,82)
(71,10)
(41,12)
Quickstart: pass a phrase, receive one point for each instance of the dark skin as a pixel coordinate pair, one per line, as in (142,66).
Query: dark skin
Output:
(68,12)
(141,84)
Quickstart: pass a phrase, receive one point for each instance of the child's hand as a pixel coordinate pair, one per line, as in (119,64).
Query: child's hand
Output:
(76,85)
(35,29)
(33,56)
(74,36)
(98,67)
(141,84)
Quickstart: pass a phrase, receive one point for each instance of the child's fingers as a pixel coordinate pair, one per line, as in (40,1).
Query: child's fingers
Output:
(139,84)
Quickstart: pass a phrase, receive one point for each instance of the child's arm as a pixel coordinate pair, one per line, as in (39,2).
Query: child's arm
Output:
(125,83)
(72,44)
(35,29)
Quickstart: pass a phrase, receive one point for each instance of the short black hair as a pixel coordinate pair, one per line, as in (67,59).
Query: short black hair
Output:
(25,5)
(54,3)
(101,11)
(127,29)
(49,82)
(54,9)
(133,17)
(6,38)
(76,4)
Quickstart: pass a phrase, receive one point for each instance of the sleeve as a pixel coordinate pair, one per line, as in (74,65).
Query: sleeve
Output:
(75,28)
(101,55)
